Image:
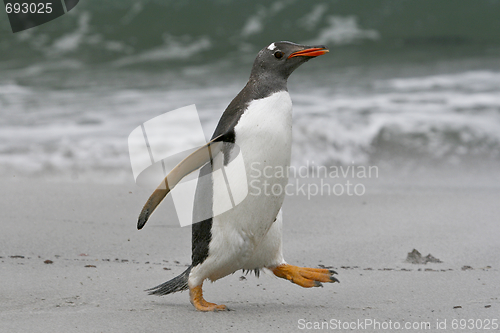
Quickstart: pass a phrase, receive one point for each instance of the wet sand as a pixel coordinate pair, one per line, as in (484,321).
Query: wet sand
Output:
(100,264)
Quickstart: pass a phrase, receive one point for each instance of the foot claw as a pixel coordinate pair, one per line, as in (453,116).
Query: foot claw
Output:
(220,307)
(332,272)
(334,279)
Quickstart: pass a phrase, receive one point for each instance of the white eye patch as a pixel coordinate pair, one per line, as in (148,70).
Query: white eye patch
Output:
(271,46)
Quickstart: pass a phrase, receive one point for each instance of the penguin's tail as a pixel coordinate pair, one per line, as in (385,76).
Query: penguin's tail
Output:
(178,283)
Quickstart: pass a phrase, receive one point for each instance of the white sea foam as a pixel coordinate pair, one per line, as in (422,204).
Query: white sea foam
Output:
(256,22)
(71,41)
(82,133)
(173,48)
(311,20)
(471,80)
(343,30)
(252,26)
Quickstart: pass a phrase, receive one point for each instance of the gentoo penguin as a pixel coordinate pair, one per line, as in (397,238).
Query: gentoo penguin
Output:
(258,122)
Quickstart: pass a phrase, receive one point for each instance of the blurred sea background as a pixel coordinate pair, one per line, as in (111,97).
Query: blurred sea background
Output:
(410,86)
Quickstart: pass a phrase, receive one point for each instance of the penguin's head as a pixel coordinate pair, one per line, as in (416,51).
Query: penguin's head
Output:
(280,59)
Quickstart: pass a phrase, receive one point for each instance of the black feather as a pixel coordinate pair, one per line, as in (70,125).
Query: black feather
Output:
(178,283)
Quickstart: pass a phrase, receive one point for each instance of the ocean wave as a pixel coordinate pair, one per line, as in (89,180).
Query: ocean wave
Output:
(343,30)
(82,133)
(413,121)
(173,48)
(255,23)
(153,31)
(481,80)
(71,41)
(395,138)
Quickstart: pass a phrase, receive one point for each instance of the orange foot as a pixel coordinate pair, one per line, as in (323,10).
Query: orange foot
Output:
(196,295)
(304,276)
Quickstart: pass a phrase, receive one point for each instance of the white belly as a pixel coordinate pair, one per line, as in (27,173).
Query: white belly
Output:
(264,135)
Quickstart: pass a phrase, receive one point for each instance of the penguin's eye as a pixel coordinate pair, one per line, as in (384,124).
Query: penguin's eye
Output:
(278,54)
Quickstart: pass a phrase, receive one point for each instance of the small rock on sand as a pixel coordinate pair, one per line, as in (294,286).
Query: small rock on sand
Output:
(415,257)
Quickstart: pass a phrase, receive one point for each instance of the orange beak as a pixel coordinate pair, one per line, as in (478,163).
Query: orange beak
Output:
(312,52)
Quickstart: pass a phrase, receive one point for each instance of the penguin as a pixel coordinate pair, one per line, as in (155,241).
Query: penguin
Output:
(248,237)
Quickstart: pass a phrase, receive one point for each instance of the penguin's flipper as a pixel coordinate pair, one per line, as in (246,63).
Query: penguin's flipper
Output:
(191,163)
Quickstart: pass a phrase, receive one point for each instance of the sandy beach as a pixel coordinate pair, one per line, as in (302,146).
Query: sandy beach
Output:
(408,88)
(73,261)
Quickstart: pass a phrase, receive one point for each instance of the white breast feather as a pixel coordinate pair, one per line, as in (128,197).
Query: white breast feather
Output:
(264,135)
